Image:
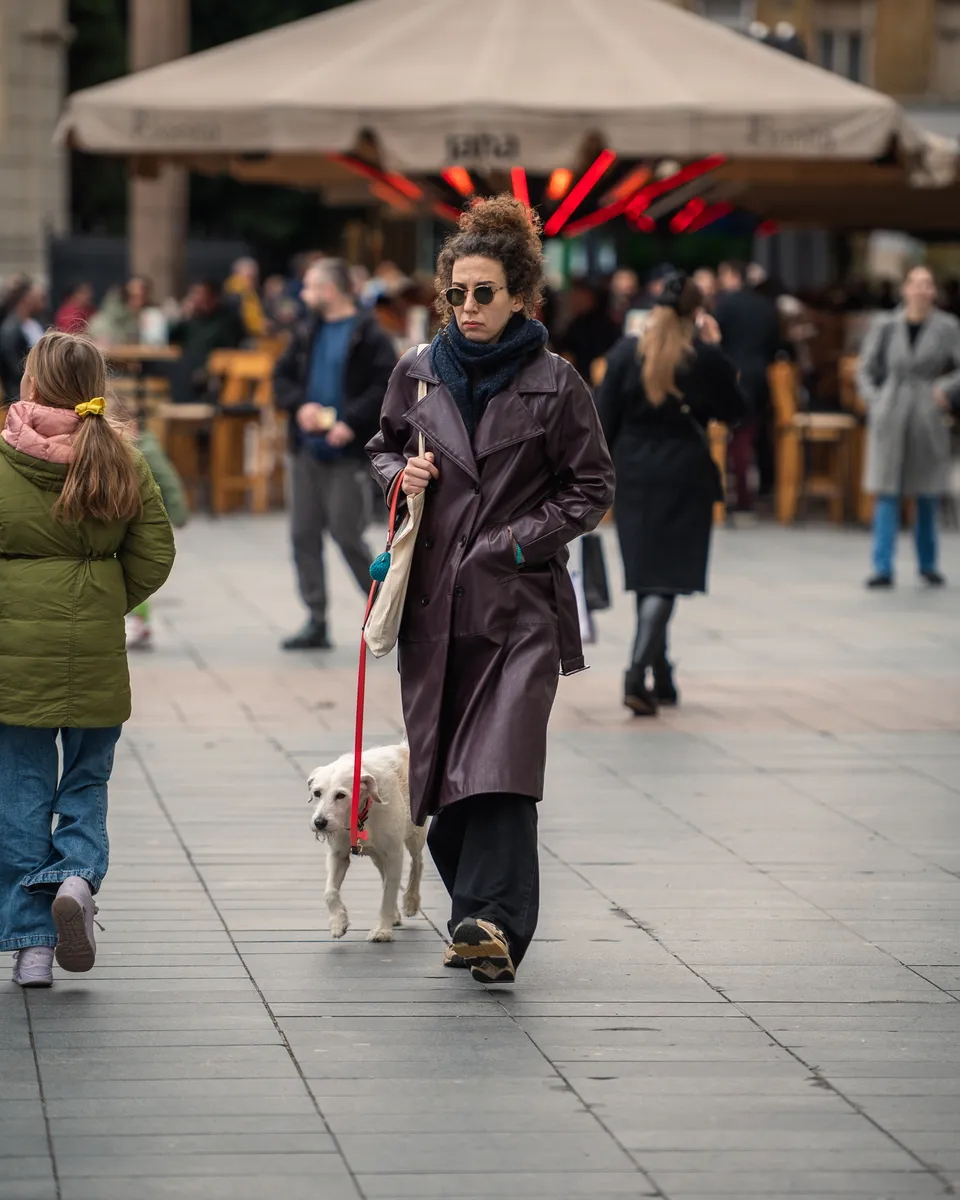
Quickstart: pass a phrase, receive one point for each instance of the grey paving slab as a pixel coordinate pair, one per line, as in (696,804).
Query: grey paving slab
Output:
(486,1185)
(225,1185)
(211,1165)
(28,1189)
(108,1145)
(744,978)
(889,1184)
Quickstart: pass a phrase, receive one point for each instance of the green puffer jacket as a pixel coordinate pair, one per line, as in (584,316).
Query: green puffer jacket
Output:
(64,592)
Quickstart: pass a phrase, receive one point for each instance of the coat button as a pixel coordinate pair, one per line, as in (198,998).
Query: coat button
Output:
(424,601)
(476,489)
(428,543)
(458,591)
(463,542)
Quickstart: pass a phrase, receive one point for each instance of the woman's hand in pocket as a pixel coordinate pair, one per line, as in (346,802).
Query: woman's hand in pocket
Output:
(418,474)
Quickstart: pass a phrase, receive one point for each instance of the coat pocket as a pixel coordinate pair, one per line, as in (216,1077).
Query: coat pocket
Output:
(503,553)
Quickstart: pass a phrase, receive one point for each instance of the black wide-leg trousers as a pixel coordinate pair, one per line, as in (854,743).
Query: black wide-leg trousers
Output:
(485,848)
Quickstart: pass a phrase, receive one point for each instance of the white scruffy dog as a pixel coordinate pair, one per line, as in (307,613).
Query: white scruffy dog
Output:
(389,828)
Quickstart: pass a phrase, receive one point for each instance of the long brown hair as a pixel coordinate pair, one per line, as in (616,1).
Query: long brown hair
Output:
(667,340)
(102,484)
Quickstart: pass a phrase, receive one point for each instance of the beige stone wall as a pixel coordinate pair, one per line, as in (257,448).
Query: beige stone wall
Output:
(33,172)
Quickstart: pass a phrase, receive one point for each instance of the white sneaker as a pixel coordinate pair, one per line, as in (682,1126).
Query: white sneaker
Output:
(33,967)
(139,634)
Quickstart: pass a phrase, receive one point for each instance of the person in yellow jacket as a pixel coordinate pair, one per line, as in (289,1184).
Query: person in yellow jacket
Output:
(243,285)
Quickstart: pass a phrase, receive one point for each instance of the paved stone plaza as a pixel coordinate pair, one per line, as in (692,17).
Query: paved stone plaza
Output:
(747,976)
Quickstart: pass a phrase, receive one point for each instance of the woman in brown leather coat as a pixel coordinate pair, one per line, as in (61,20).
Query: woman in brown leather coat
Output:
(515,468)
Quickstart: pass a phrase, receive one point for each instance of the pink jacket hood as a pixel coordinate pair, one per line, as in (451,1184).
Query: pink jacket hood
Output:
(40,431)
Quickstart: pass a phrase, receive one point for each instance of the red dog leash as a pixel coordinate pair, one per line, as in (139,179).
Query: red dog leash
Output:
(358,816)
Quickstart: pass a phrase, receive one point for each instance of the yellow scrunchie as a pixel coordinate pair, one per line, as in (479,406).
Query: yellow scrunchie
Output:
(92,408)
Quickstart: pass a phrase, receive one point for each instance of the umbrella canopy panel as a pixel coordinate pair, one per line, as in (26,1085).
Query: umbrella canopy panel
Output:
(509,82)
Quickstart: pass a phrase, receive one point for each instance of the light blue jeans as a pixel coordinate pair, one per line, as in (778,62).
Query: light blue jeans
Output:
(36,856)
(886,526)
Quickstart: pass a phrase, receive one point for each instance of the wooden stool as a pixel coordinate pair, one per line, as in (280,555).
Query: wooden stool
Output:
(184,432)
(812,451)
(246,441)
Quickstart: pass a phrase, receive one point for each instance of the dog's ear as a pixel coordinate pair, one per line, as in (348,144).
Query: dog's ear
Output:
(369,788)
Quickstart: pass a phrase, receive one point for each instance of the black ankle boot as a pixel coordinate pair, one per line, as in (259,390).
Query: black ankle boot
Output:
(664,687)
(636,695)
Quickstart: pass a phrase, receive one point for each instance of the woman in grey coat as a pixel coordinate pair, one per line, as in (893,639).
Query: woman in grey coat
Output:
(909,375)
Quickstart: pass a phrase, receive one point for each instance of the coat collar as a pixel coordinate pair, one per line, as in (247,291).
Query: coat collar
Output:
(930,330)
(506,422)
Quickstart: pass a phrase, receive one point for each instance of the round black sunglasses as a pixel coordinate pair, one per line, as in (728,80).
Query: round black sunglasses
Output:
(483,294)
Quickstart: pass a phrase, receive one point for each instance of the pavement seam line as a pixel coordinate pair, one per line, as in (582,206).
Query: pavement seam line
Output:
(168,816)
(43,1098)
(787,781)
(641,1170)
(818,1077)
(934,1171)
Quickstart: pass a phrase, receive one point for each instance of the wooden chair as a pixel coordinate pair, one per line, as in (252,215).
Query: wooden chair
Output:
(812,450)
(273,344)
(182,429)
(246,456)
(860,503)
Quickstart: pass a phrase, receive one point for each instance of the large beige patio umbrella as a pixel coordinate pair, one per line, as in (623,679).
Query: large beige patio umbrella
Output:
(502,83)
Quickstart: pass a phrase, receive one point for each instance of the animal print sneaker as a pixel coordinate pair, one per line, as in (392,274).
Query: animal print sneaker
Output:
(452,959)
(485,950)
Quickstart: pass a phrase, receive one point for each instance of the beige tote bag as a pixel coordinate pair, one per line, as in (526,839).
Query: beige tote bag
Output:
(382,627)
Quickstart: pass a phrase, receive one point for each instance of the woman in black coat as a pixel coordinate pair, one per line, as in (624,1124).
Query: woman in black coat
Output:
(657,398)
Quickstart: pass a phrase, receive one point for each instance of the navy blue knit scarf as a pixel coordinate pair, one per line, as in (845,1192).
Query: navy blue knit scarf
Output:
(475,372)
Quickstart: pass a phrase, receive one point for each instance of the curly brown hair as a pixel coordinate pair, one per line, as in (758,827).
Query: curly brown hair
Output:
(506,230)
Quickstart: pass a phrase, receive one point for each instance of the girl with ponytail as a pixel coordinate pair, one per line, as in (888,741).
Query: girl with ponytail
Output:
(84,539)
(658,396)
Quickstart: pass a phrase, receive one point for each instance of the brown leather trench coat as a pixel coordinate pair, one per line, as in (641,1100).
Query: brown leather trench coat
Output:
(482,640)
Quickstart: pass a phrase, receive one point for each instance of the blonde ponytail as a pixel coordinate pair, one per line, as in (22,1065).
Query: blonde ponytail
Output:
(667,340)
(666,343)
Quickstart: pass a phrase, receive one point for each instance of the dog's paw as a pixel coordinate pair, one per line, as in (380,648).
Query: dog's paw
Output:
(380,934)
(339,924)
(411,905)
(397,920)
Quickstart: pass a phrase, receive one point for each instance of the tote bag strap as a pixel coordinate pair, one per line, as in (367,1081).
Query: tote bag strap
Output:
(357,835)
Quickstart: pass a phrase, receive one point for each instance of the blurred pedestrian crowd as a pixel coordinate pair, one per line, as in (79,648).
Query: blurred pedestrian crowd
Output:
(760,321)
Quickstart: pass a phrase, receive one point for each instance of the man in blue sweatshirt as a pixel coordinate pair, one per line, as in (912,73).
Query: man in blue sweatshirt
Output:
(331,380)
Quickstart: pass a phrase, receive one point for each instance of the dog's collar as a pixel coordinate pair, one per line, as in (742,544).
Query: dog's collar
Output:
(361,821)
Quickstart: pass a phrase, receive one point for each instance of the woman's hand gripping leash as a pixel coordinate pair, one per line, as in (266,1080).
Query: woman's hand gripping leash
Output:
(418,474)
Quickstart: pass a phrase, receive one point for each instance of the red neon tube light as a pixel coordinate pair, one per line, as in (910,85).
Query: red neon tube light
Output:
(692,171)
(688,214)
(399,183)
(623,194)
(447,212)
(582,189)
(521,189)
(629,185)
(389,195)
(716,212)
(459,179)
